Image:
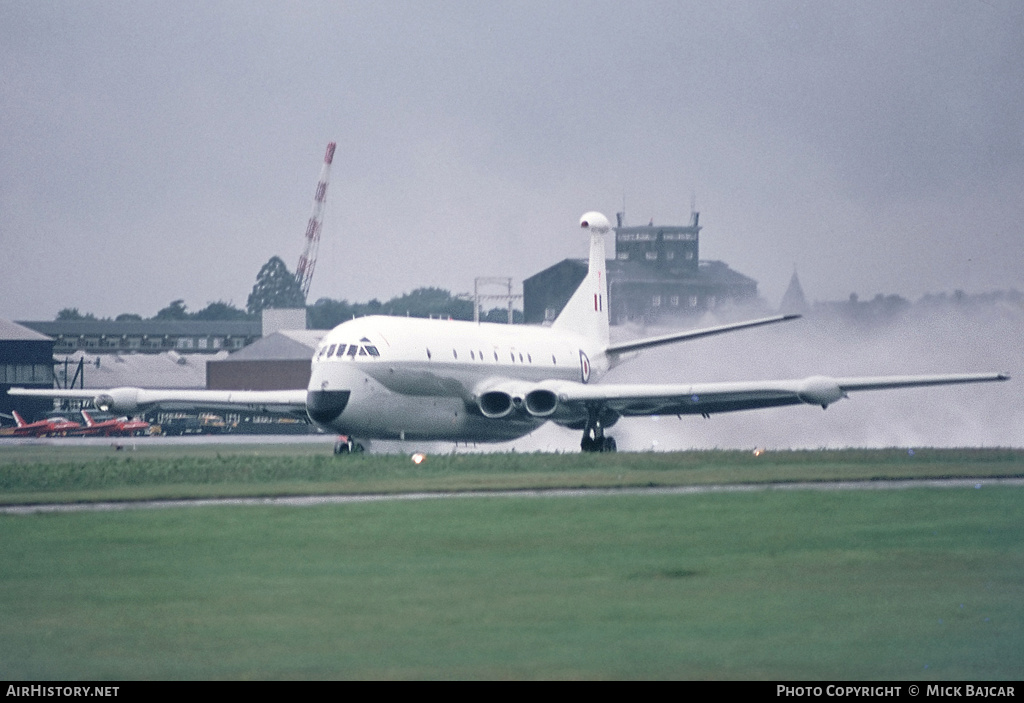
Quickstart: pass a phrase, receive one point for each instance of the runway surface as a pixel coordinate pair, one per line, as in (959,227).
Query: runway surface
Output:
(304,501)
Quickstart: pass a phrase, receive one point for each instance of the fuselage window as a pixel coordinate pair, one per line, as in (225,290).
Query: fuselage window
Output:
(455,354)
(372,351)
(353,349)
(495,356)
(520,357)
(428,352)
(553,362)
(472,355)
(513,356)
(341,350)
(529,357)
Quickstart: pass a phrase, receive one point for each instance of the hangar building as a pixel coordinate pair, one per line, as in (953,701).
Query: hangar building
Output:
(280,361)
(26,360)
(148,336)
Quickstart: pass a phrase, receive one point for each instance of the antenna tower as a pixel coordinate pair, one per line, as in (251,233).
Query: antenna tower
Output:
(307,262)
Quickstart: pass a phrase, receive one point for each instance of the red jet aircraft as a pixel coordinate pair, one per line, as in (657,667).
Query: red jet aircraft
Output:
(43,428)
(122,427)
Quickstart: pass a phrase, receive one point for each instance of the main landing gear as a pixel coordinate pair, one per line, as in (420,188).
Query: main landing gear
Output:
(604,444)
(593,436)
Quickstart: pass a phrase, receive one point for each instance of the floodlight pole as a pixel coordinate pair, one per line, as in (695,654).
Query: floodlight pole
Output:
(499,280)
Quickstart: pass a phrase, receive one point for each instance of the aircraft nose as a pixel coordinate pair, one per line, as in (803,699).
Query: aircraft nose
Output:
(324,407)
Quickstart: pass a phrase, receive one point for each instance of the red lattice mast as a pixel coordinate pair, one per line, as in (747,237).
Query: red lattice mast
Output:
(307,262)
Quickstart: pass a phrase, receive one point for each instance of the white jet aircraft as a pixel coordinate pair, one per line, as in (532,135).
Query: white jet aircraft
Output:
(404,378)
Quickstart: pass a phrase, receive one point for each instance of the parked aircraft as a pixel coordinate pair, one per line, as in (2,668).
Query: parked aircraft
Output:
(49,427)
(114,427)
(412,379)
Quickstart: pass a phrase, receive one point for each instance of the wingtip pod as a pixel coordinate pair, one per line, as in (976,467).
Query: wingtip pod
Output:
(118,400)
(820,390)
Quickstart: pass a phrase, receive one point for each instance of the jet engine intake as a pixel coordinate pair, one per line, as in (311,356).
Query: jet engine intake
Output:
(504,398)
(496,404)
(541,402)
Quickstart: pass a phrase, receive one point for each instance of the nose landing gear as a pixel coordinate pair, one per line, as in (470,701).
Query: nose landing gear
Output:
(347,445)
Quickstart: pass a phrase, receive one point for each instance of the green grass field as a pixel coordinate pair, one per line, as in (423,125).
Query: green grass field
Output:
(913,584)
(33,474)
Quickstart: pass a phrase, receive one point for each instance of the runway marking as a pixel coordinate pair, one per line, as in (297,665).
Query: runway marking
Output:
(310,500)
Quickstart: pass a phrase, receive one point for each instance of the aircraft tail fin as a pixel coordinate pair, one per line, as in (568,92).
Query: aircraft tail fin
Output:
(18,418)
(89,422)
(586,313)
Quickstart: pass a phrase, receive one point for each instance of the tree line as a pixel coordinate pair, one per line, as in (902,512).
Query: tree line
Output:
(277,287)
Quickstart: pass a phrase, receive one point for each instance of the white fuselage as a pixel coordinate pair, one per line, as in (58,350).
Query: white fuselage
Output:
(422,379)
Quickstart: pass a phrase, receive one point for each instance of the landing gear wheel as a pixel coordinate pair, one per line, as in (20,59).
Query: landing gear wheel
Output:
(601,444)
(347,445)
(593,432)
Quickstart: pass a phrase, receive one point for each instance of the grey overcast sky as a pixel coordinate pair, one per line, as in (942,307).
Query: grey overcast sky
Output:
(159,150)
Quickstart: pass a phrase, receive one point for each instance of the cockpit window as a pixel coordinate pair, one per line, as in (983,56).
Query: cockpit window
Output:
(330,351)
(353,350)
(341,350)
(372,351)
(362,352)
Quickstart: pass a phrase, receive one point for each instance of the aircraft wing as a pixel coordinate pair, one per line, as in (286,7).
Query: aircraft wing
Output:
(630,400)
(135,400)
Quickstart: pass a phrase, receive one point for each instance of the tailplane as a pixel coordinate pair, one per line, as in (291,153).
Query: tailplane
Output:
(586,313)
